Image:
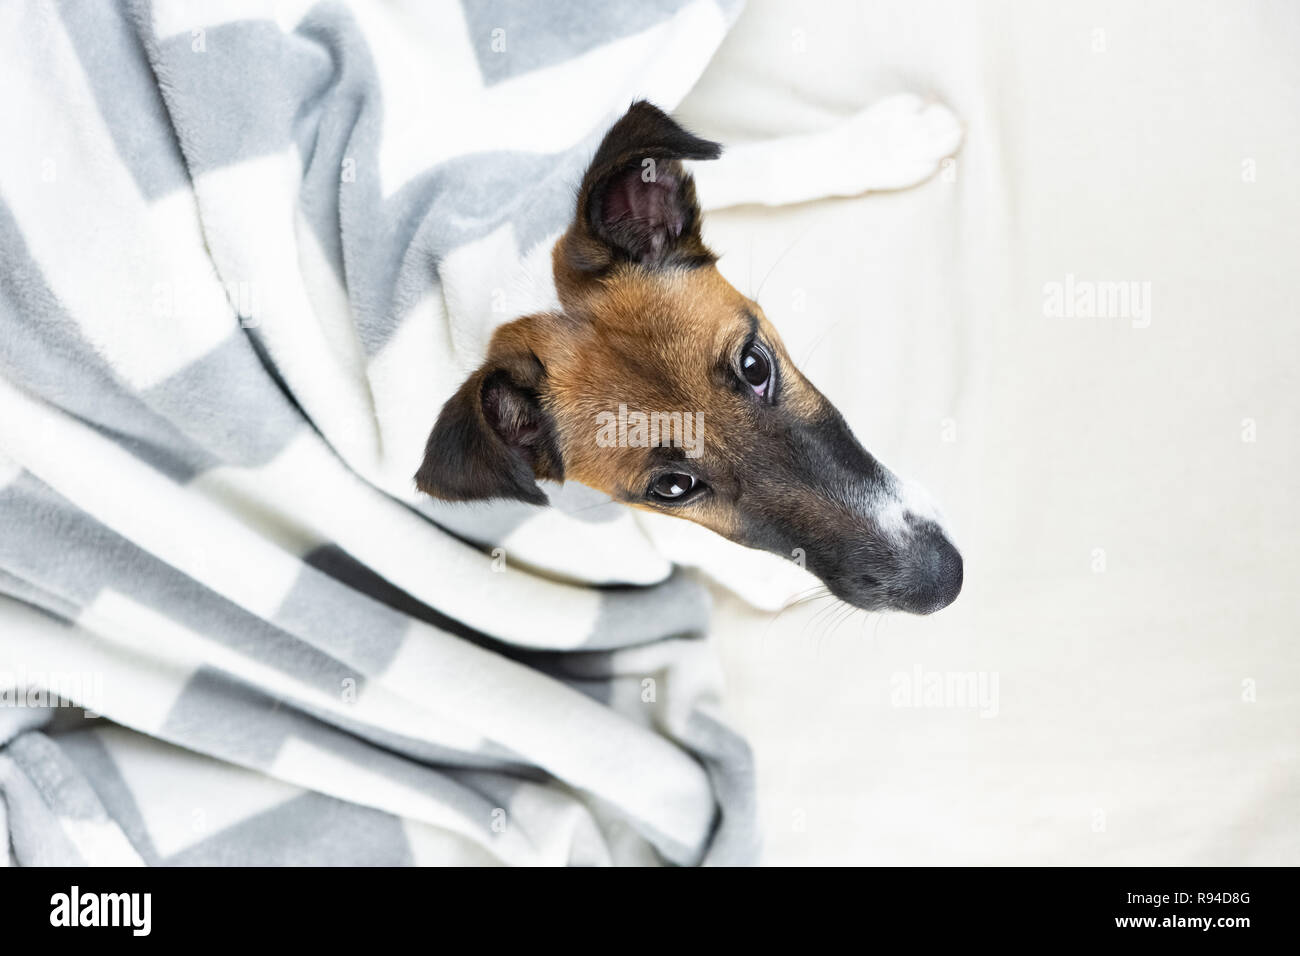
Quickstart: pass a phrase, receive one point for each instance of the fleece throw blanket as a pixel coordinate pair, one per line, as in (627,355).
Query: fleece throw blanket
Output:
(246,251)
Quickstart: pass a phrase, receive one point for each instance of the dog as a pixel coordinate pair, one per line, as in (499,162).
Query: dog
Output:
(649,336)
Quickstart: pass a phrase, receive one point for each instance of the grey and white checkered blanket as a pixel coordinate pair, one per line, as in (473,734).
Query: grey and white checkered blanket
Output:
(246,251)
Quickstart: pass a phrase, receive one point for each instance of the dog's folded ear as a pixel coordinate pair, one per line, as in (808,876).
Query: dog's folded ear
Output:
(637,202)
(494,437)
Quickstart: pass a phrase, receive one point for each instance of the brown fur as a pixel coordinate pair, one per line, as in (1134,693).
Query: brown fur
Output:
(660,342)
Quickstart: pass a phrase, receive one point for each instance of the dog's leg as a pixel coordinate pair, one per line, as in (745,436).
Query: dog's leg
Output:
(895,143)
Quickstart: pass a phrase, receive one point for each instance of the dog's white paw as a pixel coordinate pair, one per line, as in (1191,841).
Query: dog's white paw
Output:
(898,142)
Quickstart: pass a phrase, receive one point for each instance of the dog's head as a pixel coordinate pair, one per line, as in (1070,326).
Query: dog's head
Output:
(663,386)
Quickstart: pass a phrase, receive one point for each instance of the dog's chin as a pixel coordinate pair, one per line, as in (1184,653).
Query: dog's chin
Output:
(878,599)
(866,595)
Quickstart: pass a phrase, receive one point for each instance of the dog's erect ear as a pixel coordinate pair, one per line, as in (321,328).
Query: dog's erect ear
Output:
(637,202)
(494,437)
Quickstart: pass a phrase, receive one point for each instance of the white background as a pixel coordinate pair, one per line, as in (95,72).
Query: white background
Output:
(1114,142)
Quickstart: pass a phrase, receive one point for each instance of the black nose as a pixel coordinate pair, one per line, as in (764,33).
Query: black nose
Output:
(935,578)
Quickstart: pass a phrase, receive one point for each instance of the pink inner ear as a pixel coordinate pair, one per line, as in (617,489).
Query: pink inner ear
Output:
(511,413)
(649,209)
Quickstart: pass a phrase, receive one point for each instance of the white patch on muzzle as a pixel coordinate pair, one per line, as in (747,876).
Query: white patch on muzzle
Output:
(902,507)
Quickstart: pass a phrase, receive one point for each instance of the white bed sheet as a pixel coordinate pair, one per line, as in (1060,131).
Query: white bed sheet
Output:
(1131,555)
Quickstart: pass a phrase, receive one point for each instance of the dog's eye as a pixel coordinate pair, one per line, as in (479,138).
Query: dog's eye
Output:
(670,487)
(756,368)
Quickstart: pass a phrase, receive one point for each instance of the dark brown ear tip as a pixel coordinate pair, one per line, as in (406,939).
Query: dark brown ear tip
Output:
(464,488)
(645,125)
(428,481)
(640,108)
(707,149)
(535,496)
